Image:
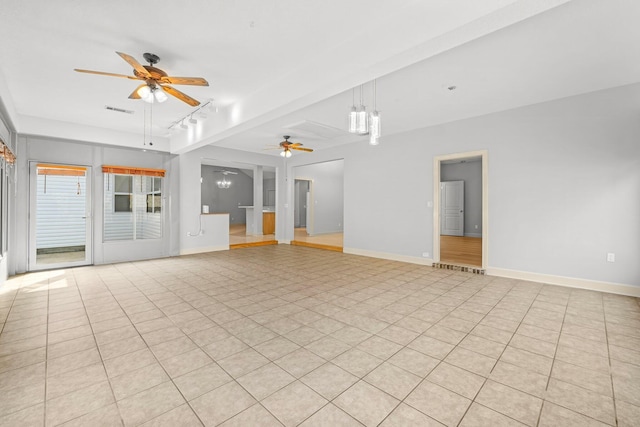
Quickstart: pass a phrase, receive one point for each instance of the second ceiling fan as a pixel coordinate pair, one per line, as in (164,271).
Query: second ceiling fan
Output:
(287,146)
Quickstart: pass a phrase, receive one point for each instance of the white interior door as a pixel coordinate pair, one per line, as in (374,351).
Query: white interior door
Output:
(60,221)
(452,208)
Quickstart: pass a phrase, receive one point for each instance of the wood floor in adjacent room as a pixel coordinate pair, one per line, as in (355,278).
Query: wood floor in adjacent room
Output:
(291,336)
(329,241)
(461,250)
(238,237)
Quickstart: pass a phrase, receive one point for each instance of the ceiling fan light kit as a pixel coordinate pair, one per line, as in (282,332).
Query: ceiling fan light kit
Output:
(151,94)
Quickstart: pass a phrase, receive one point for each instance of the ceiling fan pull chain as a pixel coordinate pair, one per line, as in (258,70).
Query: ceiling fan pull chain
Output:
(144,125)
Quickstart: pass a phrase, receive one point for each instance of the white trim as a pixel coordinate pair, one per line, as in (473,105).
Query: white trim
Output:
(472,235)
(284,242)
(571,282)
(484,154)
(193,251)
(392,257)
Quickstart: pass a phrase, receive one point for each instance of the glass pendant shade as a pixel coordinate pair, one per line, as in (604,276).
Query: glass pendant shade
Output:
(375,128)
(286,153)
(353,120)
(363,121)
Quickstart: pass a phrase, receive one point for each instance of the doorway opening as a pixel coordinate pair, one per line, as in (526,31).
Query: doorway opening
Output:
(61,222)
(244,192)
(460,226)
(318,205)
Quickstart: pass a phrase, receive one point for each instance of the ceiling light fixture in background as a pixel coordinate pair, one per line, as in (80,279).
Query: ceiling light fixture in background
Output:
(224,183)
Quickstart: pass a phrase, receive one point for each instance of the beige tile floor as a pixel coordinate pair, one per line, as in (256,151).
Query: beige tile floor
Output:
(283,335)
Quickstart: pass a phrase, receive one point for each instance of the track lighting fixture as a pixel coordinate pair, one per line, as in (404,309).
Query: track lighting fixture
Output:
(202,112)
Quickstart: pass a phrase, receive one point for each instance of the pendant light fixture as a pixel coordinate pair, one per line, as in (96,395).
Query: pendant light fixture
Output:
(353,114)
(374,126)
(363,117)
(362,123)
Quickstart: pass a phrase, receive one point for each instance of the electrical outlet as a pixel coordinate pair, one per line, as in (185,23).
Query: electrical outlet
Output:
(476,226)
(611,257)
(425,254)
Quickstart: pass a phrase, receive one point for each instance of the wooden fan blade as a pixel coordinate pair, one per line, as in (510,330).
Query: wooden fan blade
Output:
(135,64)
(181,96)
(295,144)
(134,94)
(193,81)
(301,149)
(102,73)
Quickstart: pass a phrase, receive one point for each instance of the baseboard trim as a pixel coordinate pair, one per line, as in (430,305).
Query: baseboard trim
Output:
(194,251)
(477,235)
(571,282)
(391,257)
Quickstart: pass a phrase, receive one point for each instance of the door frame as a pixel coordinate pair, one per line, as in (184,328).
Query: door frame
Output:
(437,160)
(33,194)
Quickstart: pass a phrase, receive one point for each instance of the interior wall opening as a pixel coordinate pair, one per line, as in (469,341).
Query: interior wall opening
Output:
(460,190)
(247,194)
(318,200)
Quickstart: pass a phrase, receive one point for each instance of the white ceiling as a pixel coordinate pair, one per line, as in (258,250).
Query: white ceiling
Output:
(276,63)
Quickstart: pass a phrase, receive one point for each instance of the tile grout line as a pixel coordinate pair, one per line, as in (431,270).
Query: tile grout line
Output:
(553,360)
(613,390)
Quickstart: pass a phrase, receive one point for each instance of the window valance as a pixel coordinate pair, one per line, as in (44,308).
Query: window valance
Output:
(6,153)
(132,170)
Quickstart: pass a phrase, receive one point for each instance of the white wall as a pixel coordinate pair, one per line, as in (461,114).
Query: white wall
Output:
(564,180)
(327,191)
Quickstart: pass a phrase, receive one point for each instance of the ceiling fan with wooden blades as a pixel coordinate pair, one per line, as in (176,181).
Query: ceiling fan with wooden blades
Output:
(287,146)
(156,81)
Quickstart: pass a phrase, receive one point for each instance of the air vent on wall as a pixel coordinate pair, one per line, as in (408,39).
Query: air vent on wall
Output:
(119,110)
